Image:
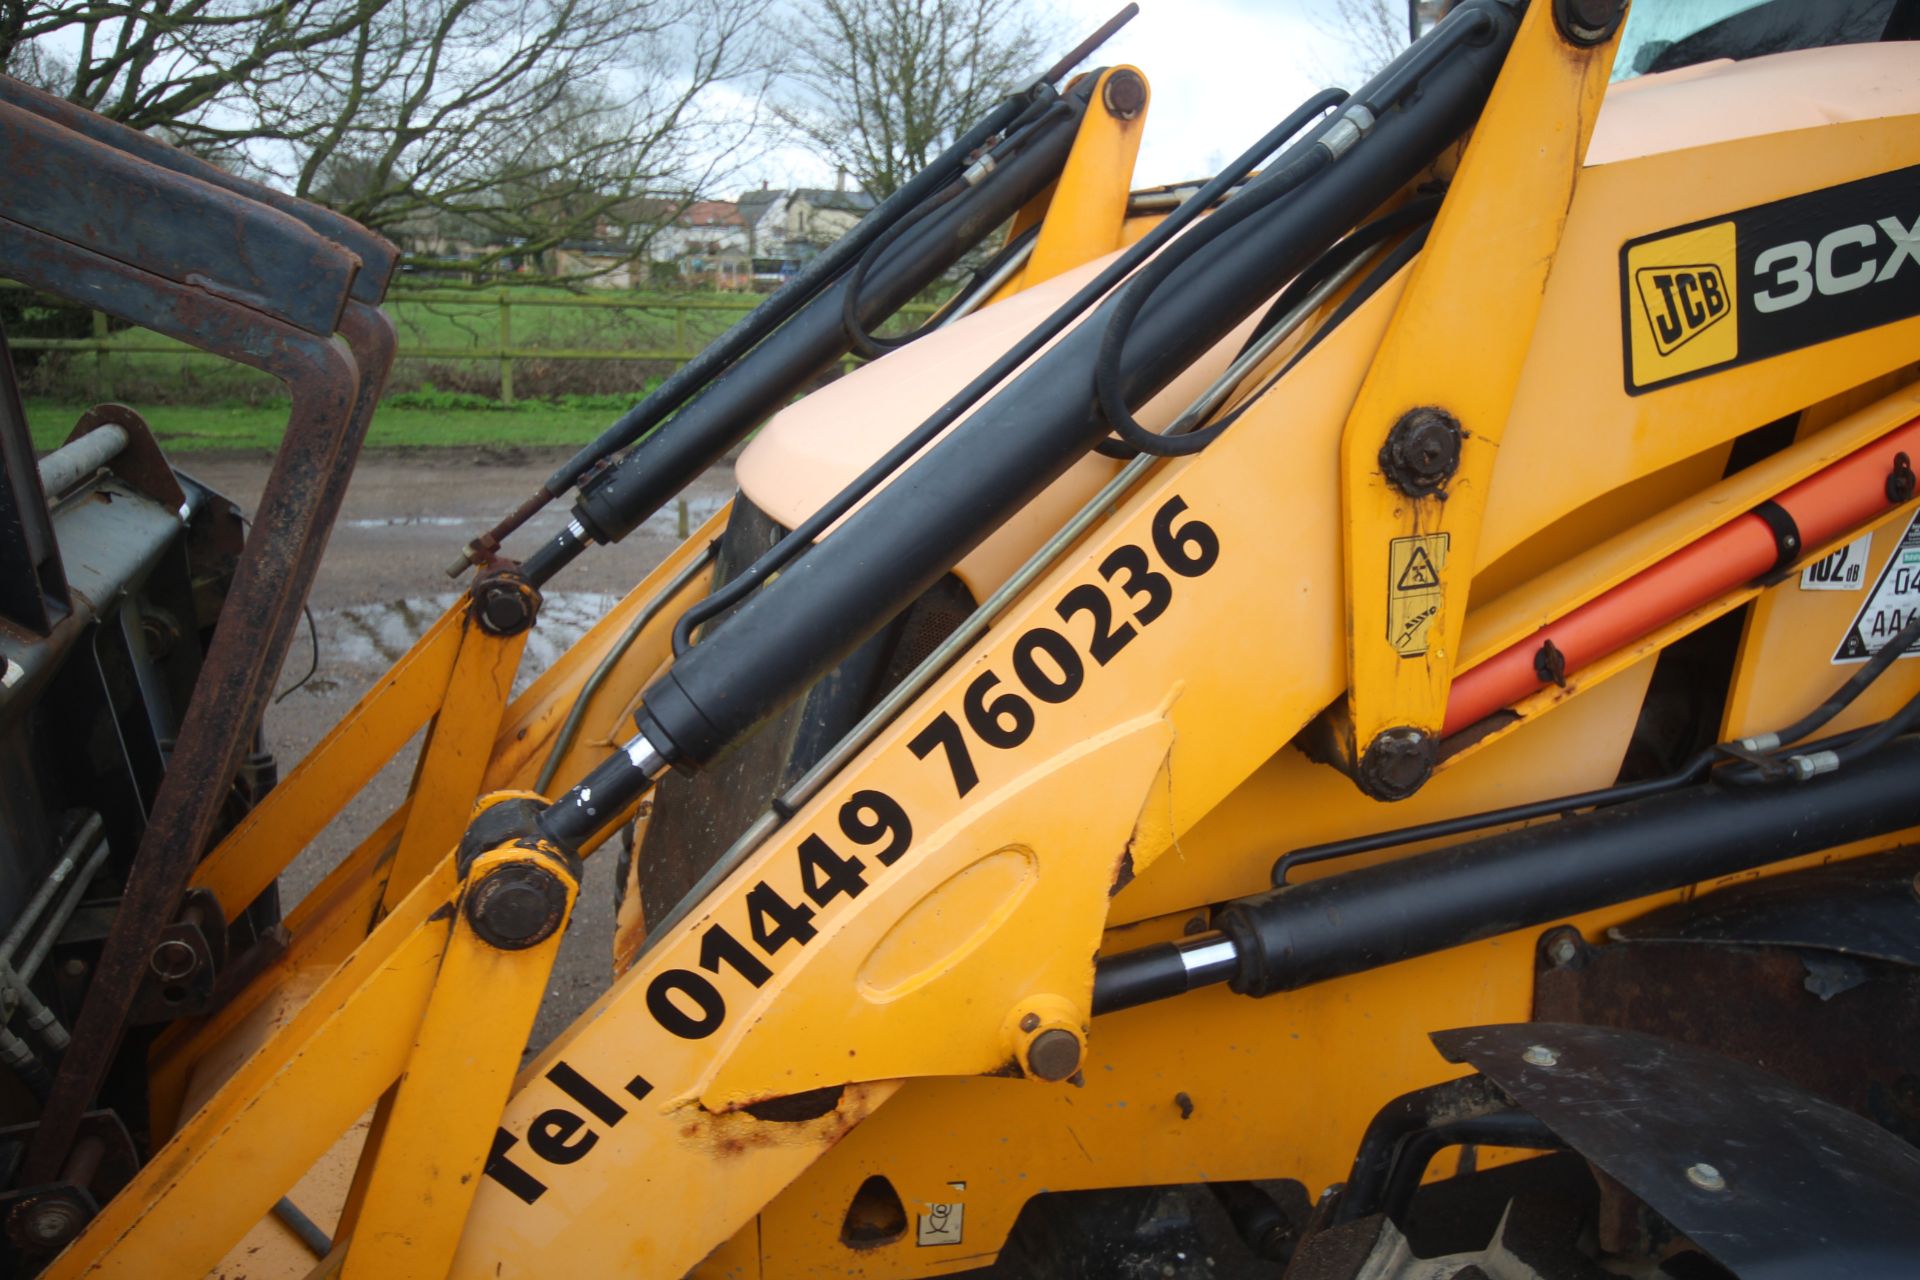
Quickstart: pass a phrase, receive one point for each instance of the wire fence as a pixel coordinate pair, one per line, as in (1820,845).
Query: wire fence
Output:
(670,331)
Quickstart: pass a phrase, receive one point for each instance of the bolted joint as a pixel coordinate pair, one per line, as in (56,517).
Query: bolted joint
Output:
(1054,1054)
(1585,23)
(45,1222)
(1048,1035)
(504,602)
(1422,451)
(504,818)
(1124,94)
(1397,763)
(1900,480)
(517,906)
(173,960)
(1550,665)
(1563,948)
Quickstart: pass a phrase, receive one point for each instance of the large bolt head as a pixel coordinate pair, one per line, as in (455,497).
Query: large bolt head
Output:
(1396,764)
(517,907)
(1706,1177)
(1054,1054)
(1422,451)
(1587,22)
(43,1223)
(1125,94)
(505,604)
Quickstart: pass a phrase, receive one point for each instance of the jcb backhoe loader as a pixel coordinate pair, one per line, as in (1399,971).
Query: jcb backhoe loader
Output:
(1342,720)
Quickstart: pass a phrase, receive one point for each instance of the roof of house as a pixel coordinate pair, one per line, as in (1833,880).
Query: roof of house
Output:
(712,213)
(844,201)
(752,204)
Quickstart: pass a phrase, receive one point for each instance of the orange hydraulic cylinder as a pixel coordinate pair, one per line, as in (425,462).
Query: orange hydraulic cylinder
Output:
(1825,505)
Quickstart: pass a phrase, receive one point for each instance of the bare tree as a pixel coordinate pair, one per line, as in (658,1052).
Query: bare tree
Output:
(1370,34)
(479,132)
(880,86)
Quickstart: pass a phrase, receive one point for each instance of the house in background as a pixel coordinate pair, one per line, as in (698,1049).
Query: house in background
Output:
(754,242)
(816,217)
(786,228)
(709,243)
(604,263)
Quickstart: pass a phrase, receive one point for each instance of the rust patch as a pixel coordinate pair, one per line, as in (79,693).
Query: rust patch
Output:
(730,1134)
(796,1108)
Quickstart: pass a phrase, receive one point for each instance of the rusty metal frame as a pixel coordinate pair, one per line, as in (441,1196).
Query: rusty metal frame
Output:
(235,276)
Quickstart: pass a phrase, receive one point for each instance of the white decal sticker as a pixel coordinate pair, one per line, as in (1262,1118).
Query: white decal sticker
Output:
(941,1224)
(1843,569)
(1890,605)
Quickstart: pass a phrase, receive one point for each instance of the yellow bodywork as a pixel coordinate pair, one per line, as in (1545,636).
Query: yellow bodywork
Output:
(900,1021)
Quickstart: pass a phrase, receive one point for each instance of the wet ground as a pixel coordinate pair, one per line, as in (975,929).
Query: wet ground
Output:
(383,581)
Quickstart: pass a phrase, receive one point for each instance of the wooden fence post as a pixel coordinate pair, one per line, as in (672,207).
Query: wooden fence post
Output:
(102,384)
(506,344)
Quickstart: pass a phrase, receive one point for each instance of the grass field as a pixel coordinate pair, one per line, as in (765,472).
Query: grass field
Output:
(204,428)
(633,330)
(643,322)
(197,402)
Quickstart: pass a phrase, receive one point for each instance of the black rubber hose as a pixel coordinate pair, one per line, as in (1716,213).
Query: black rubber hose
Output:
(1401,79)
(725,350)
(803,536)
(615,500)
(868,344)
(1856,685)
(907,535)
(1364,238)
(1389,266)
(1109,372)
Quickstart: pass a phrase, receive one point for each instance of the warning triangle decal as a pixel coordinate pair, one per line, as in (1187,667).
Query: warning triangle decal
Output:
(1891,603)
(1419,572)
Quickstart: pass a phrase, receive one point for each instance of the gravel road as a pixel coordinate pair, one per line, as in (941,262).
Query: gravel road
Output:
(407,514)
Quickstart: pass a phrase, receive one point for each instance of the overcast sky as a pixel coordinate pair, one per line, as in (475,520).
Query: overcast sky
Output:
(1222,72)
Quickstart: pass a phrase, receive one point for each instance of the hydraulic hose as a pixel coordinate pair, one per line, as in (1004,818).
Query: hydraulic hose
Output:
(871,345)
(613,502)
(834,595)
(1291,937)
(737,341)
(802,537)
(1746,771)
(1108,370)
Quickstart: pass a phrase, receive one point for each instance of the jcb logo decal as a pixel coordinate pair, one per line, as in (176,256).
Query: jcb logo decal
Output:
(1682,302)
(1683,318)
(1779,277)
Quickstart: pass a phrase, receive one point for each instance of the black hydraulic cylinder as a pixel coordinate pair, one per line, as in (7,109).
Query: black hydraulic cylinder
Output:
(613,503)
(1359,920)
(715,358)
(836,594)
